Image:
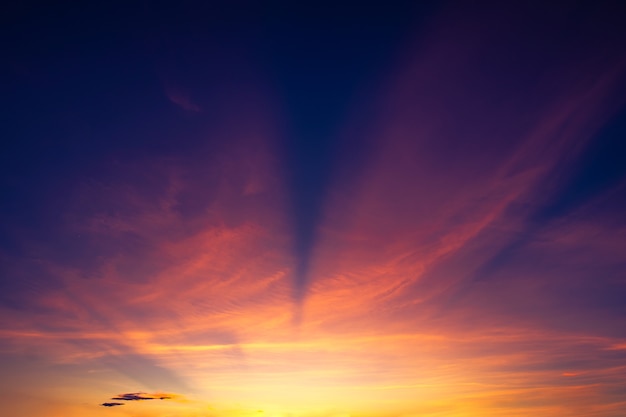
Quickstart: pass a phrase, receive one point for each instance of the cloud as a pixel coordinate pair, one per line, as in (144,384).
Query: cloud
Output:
(139,396)
(111,404)
(181,98)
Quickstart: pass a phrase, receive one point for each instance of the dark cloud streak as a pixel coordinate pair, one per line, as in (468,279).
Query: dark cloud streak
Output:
(111,404)
(141,396)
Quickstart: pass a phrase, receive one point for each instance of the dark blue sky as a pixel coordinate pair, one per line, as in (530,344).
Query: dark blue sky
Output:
(85,85)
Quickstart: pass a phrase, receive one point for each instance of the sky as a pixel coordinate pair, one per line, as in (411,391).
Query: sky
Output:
(294,209)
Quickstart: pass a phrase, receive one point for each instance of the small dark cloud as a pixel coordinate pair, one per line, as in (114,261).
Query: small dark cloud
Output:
(132,397)
(139,396)
(111,404)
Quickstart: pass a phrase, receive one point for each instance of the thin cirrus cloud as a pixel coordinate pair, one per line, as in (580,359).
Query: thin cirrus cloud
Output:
(452,186)
(443,230)
(441,280)
(181,98)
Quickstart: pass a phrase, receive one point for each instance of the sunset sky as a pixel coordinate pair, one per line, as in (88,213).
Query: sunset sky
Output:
(310,209)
